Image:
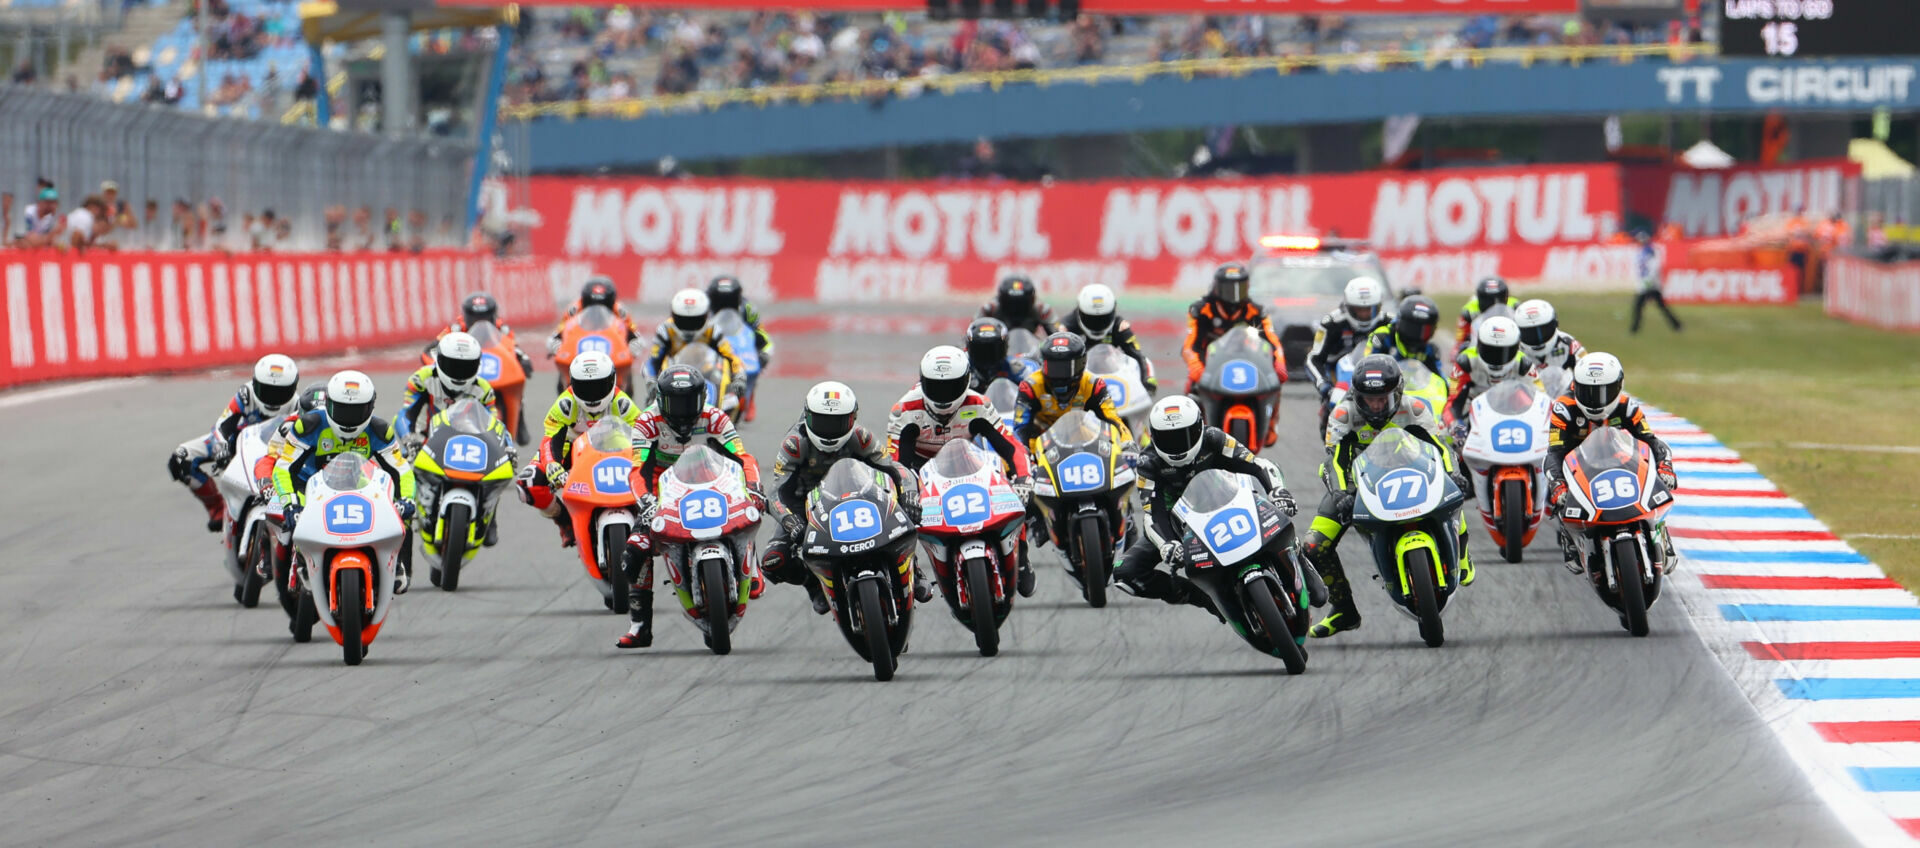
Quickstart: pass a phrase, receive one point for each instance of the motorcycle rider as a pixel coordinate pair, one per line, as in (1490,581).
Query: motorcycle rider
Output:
(1227,305)
(725,292)
(1017,303)
(1410,335)
(943,408)
(478,307)
(1095,317)
(1060,386)
(826,433)
(1598,399)
(1362,309)
(1494,356)
(1541,339)
(345,422)
(598,291)
(678,419)
(1184,446)
(454,374)
(1488,293)
(692,323)
(591,396)
(269,394)
(987,355)
(1374,405)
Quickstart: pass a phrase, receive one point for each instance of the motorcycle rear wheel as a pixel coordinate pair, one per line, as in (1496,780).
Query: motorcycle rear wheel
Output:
(304,617)
(1426,601)
(1633,592)
(873,620)
(250,567)
(713,586)
(1260,597)
(986,629)
(1513,520)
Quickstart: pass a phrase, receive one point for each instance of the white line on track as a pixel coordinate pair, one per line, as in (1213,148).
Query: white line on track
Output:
(69,390)
(1915,449)
(1883,535)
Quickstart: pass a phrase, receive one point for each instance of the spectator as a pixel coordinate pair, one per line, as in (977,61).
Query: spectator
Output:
(186,225)
(152,237)
(43,220)
(214,225)
(391,230)
(336,228)
(307,88)
(86,223)
(156,92)
(263,231)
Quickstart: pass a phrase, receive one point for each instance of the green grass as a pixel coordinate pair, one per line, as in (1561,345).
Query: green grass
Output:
(1763,377)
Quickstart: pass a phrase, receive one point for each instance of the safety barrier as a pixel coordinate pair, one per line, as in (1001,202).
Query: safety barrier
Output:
(1874,293)
(121,314)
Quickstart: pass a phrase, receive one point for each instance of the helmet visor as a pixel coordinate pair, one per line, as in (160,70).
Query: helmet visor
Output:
(476,311)
(1497,357)
(682,408)
(1096,325)
(689,323)
(273,397)
(1064,373)
(943,393)
(1180,440)
(1374,407)
(1363,314)
(829,427)
(349,416)
(724,297)
(1231,289)
(1413,332)
(987,352)
(1539,336)
(459,370)
(1596,398)
(593,390)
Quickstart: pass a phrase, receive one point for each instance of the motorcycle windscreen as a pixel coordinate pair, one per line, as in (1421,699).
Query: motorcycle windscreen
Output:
(596,318)
(1078,430)
(1416,378)
(1004,395)
(1511,397)
(1240,363)
(1210,491)
(1608,448)
(1394,450)
(485,333)
(700,466)
(1022,342)
(728,322)
(960,458)
(470,416)
(851,478)
(346,472)
(610,435)
(1106,359)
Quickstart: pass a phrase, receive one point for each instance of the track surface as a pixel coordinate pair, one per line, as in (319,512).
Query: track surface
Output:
(141,705)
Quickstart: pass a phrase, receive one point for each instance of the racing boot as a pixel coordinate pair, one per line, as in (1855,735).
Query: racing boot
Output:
(1310,576)
(493,533)
(1184,592)
(756,582)
(1666,546)
(818,596)
(923,593)
(1345,616)
(1466,563)
(1026,578)
(640,629)
(215,505)
(566,529)
(403,568)
(1569,551)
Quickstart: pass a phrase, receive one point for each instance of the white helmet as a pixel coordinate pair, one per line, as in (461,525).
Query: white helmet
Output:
(593,378)
(690,310)
(349,403)
(1364,302)
(457,361)
(944,379)
(831,408)
(1178,429)
(276,380)
(1538,326)
(1497,342)
(1597,381)
(1096,305)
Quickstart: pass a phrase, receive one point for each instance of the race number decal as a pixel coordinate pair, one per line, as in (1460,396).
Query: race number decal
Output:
(466,453)
(1082,472)
(1117,392)
(593,344)
(853,521)
(965,504)
(610,475)
(1229,529)
(348,515)
(1402,489)
(703,510)
(1512,437)
(489,367)
(1239,376)
(1615,489)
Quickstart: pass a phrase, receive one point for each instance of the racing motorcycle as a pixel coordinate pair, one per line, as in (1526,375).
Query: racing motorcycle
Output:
(1617,521)
(705,528)
(1239,548)
(742,339)
(1505,447)
(1417,380)
(345,551)
(1240,388)
(1023,344)
(458,475)
(1083,486)
(500,367)
(1005,397)
(1342,384)
(971,524)
(252,514)
(598,498)
(859,545)
(1125,387)
(1407,508)
(595,328)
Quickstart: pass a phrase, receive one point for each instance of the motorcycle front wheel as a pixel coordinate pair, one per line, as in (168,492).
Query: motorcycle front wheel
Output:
(713,588)
(1267,611)
(1426,601)
(453,546)
(986,629)
(1633,592)
(873,621)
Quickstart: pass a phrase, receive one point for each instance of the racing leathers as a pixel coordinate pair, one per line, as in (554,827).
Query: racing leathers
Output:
(1463,334)
(460,325)
(308,442)
(656,447)
(566,420)
(1567,427)
(1333,336)
(196,460)
(668,341)
(1471,381)
(1038,321)
(1013,369)
(1119,333)
(1209,318)
(1385,340)
(1160,485)
(915,434)
(426,396)
(799,468)
(1036,408)
(1562,353)
(1348,435)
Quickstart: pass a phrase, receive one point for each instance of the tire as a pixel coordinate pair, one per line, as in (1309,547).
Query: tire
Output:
(1094,566)
(1633,593)
(1260,599)
(873,617)
(352,616)
(986,628)
(289,601)
(613,542)
(713,585)
(453,546)
(1241,431)
(304,618)
(250,566)
(520,435)
(1513,520)
(1426,602)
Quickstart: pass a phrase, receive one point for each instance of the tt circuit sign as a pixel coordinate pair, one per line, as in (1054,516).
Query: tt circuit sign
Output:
(1794,85)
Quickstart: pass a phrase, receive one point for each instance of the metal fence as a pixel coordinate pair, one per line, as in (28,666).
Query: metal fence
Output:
(164,154)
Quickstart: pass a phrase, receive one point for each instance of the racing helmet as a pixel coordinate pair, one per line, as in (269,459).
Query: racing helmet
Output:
(313,396)
(1498,344)
(831,408)
(1376,388)
(690,310)
(1097,306)
(592,376)
(986,342)
(724,292)
(275,380)
(682,395)
(1365,303)
(1597,381)
(1063,361)
(1016,296)
(479,307)
(1490,292)
(1178,429)
(944,379)
(1538,327)
(1231,283)
(457,362)
(600,291)
(350,397)
(1416,321)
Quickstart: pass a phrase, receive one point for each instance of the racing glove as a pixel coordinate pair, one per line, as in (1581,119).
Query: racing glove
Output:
(792,526)
(290,515)
(178,465)
(649,506)
(1152,384)
(1343,508)
(553,346)
(1023,487)
(407,509)
(1173,554)
(1462,480)
(221,453)
(1669,478)
(556,476)
(1284,498)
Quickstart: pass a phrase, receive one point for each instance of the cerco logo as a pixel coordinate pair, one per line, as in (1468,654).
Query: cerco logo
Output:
(1729,285)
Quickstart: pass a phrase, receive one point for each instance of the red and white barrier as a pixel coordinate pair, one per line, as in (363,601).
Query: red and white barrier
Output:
(1874,293)
(108,314)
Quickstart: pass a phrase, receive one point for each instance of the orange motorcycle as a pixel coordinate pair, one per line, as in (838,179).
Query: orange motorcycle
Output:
(595,328)
(599,503)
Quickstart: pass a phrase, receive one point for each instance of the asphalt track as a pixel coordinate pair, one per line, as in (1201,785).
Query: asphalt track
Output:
(140,705)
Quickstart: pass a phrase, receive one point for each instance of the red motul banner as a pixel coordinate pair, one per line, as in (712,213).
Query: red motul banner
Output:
(105,314)
(858,241)
(1707,204)
(1874,293)
(1732,285)
(1133,7)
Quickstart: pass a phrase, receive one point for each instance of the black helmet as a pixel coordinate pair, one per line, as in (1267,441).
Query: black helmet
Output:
(682,395)
(1231,282)
(724,293)
(479,307)
(1063,360)
(986,343)
(1376,388)
(599,291)
(1491,291)
(1016,296)
(313,396)
(1416,321)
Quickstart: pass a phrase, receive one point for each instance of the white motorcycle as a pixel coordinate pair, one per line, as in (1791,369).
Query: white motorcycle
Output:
(1124,384)
(253,514)
(1506,449)
(345,552)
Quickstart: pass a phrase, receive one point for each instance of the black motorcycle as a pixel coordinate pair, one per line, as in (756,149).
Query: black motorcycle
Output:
(1085,479)
(860,544)
(1240,549)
